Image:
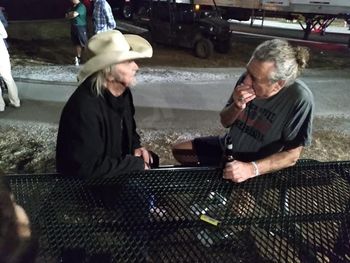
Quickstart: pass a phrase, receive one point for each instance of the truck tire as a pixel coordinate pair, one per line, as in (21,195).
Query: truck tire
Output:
(143,11)
(127,12)
(203,48)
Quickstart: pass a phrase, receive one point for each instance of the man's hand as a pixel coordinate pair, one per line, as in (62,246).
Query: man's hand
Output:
(238,172)
(145,155)
(243,94)
(71,14)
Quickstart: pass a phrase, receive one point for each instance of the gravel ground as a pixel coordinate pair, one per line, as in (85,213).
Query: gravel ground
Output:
(28,147)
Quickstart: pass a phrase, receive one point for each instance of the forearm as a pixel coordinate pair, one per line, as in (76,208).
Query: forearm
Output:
(238,171)
(71,15)
(229,114)
(278,161)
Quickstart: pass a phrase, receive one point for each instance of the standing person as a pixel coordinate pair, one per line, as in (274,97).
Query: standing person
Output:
(77,16)
(102,16)
(5,72)
(269,114)
(97,130)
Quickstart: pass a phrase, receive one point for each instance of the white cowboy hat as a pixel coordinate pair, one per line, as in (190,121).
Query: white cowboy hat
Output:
(112,47)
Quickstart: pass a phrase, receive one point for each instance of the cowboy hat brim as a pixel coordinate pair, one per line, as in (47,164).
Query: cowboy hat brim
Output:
(139,48)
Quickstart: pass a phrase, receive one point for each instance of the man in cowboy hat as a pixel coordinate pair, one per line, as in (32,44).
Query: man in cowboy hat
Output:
(97,130)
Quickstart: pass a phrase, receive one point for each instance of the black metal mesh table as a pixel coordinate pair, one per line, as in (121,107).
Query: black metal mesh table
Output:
(300,214)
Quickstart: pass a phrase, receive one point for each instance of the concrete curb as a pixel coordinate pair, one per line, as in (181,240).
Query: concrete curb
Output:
(55,91)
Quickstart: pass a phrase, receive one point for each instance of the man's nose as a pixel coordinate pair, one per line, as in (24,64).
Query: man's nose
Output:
(248,80)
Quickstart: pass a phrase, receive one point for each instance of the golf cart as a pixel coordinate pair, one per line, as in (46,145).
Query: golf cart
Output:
(183,24)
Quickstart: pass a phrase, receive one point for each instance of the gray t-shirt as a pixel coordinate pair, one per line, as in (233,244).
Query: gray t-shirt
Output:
(268,126)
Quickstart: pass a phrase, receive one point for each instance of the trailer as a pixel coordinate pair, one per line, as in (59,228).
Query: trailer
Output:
(315,14)
(319,7)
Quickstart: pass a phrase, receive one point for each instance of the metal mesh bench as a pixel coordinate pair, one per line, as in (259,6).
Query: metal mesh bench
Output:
(300,214)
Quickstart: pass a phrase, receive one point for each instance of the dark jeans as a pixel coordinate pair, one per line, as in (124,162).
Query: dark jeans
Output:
(209,150)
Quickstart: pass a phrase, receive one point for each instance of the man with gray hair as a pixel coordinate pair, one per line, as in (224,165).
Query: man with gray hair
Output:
(269,115)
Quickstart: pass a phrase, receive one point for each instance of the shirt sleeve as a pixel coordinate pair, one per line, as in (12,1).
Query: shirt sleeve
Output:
(81,10)
(298,130)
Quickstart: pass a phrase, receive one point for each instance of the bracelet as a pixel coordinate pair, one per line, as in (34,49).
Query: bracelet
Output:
(255,168)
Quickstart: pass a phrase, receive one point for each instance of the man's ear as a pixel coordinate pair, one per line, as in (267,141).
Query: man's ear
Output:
(278,85)
(281,83)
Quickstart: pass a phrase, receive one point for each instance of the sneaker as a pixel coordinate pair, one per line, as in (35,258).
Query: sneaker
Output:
(77,61)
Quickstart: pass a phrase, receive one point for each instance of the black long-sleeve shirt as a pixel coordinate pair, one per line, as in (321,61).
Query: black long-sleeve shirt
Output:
(97,134)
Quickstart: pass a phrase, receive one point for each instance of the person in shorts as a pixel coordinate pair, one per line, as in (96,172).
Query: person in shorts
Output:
(269,115)
(77,15)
